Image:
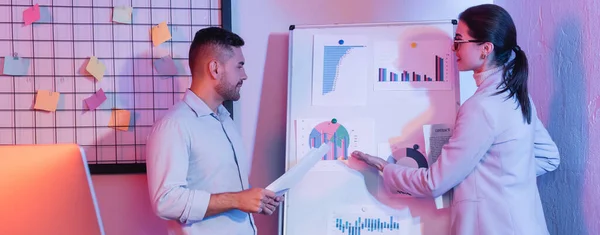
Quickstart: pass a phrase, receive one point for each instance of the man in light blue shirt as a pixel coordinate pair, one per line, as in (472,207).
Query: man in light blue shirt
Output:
(196,164)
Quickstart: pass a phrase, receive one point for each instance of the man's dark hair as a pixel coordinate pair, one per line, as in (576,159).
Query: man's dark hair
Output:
(213,40)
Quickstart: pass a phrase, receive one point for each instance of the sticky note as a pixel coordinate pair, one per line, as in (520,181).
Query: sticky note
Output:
(16,66)
(46,100)
(178,33)
(160,33)
(119,119)
(122,14)
(31,14)
(165,66)
(96,68)
(95,100)
(45,15)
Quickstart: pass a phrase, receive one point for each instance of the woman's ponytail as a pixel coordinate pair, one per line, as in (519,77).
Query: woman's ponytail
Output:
(514,80)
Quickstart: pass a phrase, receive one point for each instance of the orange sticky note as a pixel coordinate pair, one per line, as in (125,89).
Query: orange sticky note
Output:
(119,119)
(46,100)
(160,33)
(31,14)
(96,68)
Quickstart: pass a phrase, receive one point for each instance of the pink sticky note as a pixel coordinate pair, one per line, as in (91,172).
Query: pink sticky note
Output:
(95,100)
(31,14)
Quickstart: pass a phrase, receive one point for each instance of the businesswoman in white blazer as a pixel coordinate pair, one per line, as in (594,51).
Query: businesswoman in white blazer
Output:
(499,145)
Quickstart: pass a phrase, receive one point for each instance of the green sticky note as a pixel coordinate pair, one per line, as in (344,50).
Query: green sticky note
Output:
(122,14)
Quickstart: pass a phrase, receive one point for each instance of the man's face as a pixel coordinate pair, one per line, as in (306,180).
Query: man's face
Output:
(232,76)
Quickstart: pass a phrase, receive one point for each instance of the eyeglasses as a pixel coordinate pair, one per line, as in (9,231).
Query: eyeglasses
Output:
(457,42)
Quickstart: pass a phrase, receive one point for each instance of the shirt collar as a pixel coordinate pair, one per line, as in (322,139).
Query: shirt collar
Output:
(481,77)
(200,107)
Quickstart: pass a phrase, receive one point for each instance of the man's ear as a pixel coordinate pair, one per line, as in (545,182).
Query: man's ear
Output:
(214,68)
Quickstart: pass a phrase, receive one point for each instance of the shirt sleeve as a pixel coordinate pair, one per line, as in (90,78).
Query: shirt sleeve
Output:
(472,137)
(547,157)
(167,158)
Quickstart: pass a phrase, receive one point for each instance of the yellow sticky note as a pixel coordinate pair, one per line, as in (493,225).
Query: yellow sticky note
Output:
(46,100)
(160,33)
(119,119)
(122,14)
(95,68)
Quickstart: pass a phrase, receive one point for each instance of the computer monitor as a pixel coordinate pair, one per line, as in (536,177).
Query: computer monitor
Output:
(47,189)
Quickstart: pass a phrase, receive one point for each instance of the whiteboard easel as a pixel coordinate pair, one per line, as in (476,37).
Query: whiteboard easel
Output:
(403,76)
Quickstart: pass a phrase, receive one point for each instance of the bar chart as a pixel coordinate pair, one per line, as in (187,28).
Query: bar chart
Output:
(335,135)
(424,67)
(356,224)
(343,135)
(386,75)
(339,72)
(333,58)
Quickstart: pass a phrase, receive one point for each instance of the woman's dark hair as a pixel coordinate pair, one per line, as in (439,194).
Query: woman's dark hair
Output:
(491,23)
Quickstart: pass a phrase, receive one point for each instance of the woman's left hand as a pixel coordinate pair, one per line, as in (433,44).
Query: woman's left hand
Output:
(370,160)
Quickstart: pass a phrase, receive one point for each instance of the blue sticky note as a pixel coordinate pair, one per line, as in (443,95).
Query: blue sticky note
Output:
(45,15)
(165,66)
(16,66)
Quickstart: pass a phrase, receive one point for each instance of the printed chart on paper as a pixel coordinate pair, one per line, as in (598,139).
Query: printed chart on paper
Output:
(340,70)
(343,136)
(412,65)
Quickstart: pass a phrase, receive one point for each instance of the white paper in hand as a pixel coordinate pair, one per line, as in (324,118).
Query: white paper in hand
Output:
(296,173)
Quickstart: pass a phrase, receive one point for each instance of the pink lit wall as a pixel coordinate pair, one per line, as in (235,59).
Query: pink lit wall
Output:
(125,205)
(561,39)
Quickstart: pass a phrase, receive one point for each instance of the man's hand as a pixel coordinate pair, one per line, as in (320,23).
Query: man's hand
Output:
(257,200)
(271,205)
(370,160)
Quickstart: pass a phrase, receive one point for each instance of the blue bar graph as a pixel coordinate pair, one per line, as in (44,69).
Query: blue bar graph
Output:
(366,226)
(382,74)
(387,75)
(439,69)
(332,60)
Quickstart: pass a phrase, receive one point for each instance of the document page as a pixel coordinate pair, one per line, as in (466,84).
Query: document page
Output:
(297,172)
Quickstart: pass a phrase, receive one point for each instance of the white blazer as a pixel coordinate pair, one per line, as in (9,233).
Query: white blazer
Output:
(491,161)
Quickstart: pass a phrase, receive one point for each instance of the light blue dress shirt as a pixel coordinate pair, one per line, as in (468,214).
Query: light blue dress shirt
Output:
(192,153)
(491,161)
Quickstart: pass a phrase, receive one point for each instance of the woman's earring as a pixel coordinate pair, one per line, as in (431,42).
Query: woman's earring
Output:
(483,56)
